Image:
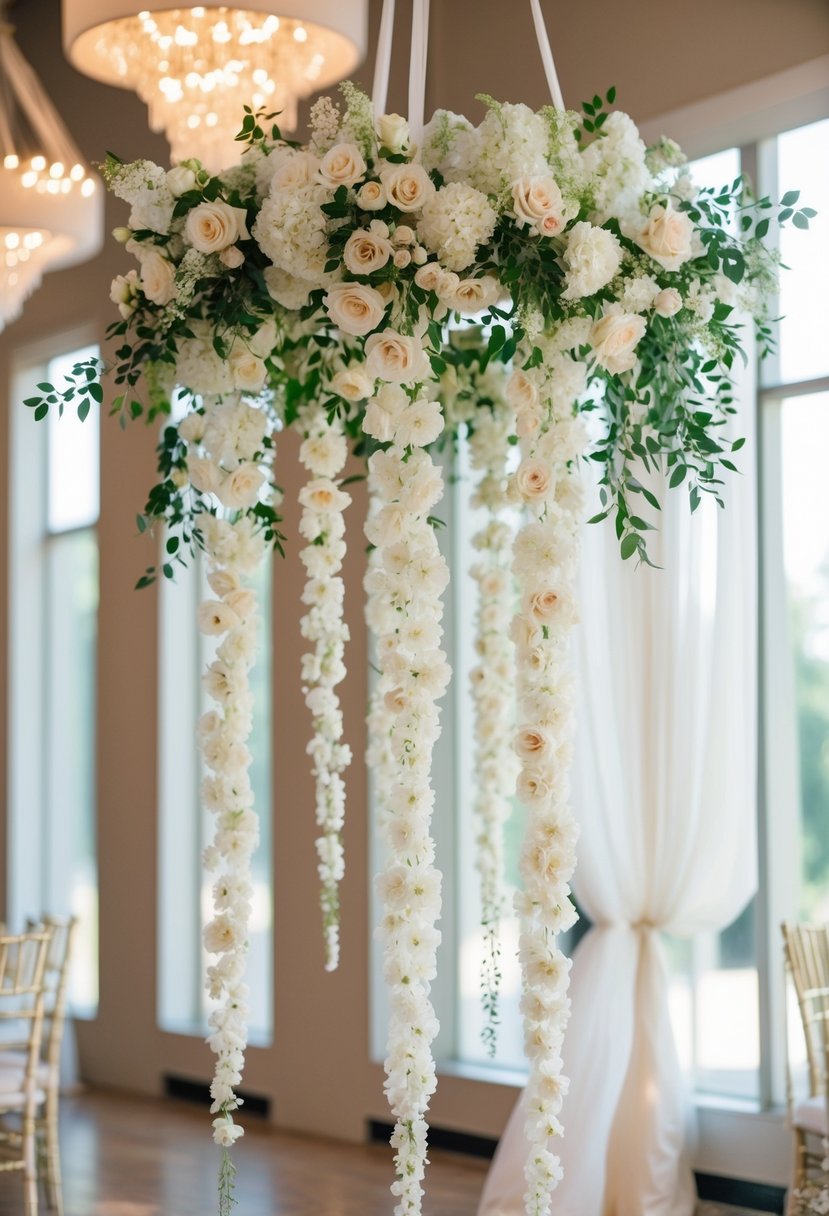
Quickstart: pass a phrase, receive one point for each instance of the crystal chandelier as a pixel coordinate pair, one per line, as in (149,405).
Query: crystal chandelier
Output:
(51,209)
(195,68)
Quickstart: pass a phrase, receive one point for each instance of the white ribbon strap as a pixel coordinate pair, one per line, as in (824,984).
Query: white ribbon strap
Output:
(546,55)
(417,68)
(382,62)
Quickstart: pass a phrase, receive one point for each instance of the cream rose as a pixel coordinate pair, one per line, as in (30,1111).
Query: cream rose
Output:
(668,302)
(364,252)
(351,383)
(536,199)
(211,227)
(215,617)
(534,480)
(393,132)
(371,196)
(667,236)
(158,277)
(407,186)
(535,785)
(527,422)
(428,277)
(395,357)
(232,257)
(242,601)
(180,179)
(241,487)
(342,165)
(248,370)
(322,495)
(473,295)
(521,392)
(297,170)
(614,338)
(204,475)
(533,743)
(354,307)
(223,582)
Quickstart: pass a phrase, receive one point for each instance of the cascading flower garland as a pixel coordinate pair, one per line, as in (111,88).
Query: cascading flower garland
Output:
(547,482)
(324,282)
(323,453)
(492,682)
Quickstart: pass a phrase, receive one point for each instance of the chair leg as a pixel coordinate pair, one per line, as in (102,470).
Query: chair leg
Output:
(54,1188)
(798,1171)
(29,1166)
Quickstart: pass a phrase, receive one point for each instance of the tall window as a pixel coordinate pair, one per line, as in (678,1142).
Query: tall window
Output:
(54,607)
(185,829)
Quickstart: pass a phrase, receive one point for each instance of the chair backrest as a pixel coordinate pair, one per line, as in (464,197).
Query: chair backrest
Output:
(806,950)
(56,981)
(23,960)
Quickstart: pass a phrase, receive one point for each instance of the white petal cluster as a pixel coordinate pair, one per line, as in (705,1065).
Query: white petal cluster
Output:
(227,793)
(406,579)
(291,230)
(323,453)
(544,564)
(229,448)
(492,683)
(454,222)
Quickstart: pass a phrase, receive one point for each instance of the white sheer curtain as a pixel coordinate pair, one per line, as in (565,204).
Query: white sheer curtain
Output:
(665,793)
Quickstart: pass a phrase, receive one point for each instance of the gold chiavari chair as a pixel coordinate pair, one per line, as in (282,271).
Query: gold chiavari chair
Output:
(806,953)
(22,968)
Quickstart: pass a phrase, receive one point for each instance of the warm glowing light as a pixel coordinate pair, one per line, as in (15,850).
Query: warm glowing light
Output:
(11,161)
(197,67)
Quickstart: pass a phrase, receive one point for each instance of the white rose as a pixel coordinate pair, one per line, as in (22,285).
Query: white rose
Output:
(614,338)
(158,277)
(248,370)
(383,411)
(354,307)
(180,179)
(668,302)
(204,475)
(215,617)
(371,196)
(223,582)
(536,200)
(364,252)
(396,357)
(351,383)
(407,186)
(342,165)
(241,487)
(297,170)
(419,424)
(322,495)
(324,454)
(393,132)
(534,480)
(527,422)
(667,236)
(404,235)
(122,292)
(402,258)
(535,785)
(243,602)
(211,227)
(521,392)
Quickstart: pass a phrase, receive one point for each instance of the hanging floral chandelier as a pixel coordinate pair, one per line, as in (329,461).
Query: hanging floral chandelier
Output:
(319,287)
(195,68)
(51,209)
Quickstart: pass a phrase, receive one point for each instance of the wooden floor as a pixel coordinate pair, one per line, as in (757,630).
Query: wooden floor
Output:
(133,1157)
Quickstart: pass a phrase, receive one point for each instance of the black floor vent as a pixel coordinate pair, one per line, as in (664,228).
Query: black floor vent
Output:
(753,1195)
(187,1090)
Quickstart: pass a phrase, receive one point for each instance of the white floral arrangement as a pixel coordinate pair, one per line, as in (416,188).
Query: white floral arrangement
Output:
(318,286)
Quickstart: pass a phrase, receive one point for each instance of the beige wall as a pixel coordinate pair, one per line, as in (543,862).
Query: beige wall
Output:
(317,1074)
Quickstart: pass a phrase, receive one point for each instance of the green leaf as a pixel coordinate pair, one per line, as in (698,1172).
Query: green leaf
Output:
(83,410)
(629,545)
(597,519)
(799,220)
(790,198)
(611,95)
(96,392)
(141,523)
(678,476)
(41,411)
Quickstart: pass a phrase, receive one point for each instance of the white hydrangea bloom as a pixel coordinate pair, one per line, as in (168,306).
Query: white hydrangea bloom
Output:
(454,222)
